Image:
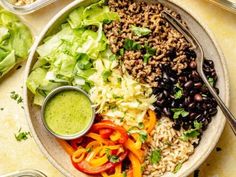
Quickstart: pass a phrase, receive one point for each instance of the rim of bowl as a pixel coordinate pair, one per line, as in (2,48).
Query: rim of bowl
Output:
(50,96)
(73,5)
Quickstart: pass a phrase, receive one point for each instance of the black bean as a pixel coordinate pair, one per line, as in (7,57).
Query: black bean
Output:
(191,105)
(198,85)
(159,102)
(198,97)
(193,64)
(167,111)
(176,126)
(186,126)
(213,111)
(188,84)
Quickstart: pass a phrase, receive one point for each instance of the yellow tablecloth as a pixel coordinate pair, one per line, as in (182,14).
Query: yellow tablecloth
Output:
(26,155)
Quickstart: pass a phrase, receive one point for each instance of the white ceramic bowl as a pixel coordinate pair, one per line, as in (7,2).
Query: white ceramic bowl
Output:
(58,157)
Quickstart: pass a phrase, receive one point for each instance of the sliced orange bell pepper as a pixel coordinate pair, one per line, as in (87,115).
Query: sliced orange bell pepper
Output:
(99,161)
(98,137)
(150,125)
(79,155)
(66,146)
(136,165)
(130,145)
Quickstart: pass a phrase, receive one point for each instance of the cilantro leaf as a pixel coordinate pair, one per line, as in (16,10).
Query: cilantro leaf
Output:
(177,167)
(111,158)
(192,133)
(140,31)
(179,91)
(211,81)
(178,112)
(155,156)
(146,58)
(131,45)
(21,135)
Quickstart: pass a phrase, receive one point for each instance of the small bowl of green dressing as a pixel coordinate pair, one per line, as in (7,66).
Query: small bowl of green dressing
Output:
(68,113)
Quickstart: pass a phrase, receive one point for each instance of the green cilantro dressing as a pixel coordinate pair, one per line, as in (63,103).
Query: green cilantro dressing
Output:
(68,112)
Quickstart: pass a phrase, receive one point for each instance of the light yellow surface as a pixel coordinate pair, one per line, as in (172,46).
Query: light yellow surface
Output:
(24,155)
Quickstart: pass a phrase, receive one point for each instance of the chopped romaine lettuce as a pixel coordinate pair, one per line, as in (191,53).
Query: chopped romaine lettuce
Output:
(15,41)
(67,57)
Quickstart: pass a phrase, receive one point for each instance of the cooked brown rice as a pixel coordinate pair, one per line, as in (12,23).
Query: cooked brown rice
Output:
(173,150)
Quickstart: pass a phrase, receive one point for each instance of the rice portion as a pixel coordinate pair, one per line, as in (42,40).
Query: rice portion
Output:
(173,150)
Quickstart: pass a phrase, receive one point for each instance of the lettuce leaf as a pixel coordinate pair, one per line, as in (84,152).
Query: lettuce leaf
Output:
(67,57)
(15,41)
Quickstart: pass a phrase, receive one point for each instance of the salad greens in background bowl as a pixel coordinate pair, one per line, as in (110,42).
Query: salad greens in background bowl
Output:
(48,68)
(15,41)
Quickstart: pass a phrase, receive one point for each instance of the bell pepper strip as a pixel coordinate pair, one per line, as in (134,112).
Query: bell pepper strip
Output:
(93,144)
(109,125)
(99,161)
(75,143)
(138,142)
(66,146)
(98,137)
(115,136)
(79,155)
(85,167)
(116,174)
(130,145)
(105,133)
(93,153)
(152,121)
(130,173)
(136,165)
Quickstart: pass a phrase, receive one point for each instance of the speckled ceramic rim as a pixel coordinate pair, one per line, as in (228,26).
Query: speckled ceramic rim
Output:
(189,169)
(50,96)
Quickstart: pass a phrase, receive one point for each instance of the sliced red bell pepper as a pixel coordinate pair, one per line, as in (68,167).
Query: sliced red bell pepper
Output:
(75,143)
(85,167)
(109,125)
(105,133)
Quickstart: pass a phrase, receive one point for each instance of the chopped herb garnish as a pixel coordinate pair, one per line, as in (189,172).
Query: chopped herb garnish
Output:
(88,150)
(1,109)
(106,74)
(111,158)
(211,81)
(178,91)
(140,31)
(177,167)
(16,97)
(149,53)
(142,134)
(178,112)
(20,136)
(124,174)
(131,45)
(155,156)
(146,58)
(150,50)
(192,133)
(122,52)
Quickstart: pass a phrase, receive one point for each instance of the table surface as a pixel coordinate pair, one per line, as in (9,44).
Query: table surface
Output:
(16,155)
